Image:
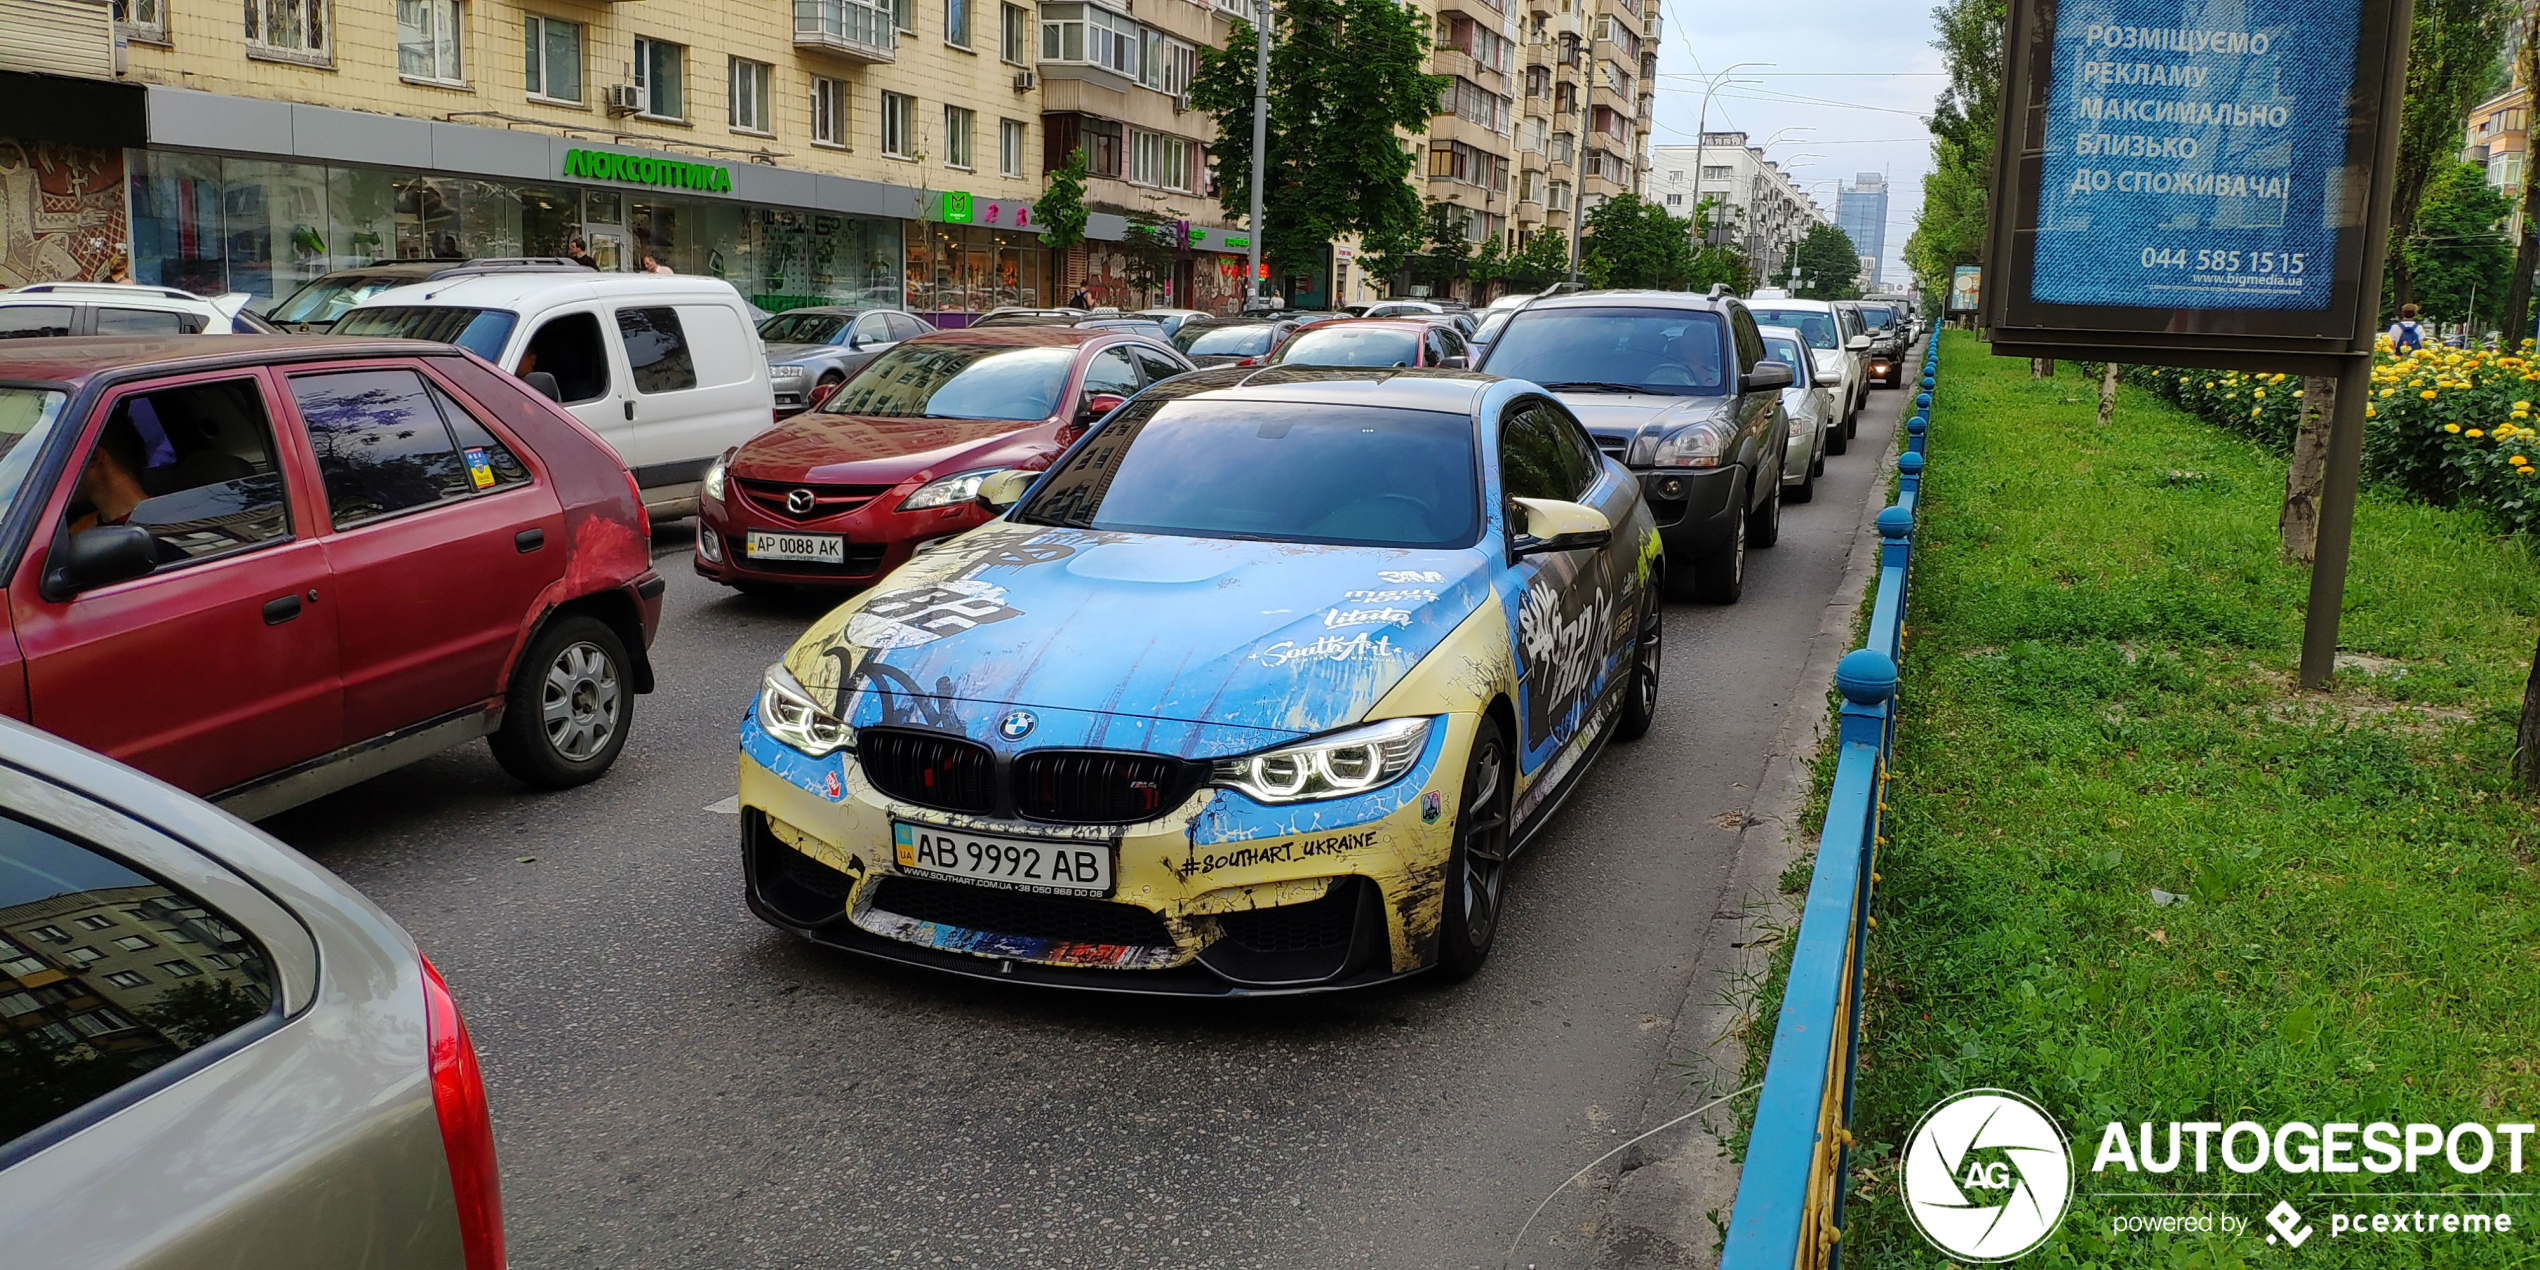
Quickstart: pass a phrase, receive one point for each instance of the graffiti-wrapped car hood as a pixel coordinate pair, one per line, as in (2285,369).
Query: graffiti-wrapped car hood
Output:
(1285,637)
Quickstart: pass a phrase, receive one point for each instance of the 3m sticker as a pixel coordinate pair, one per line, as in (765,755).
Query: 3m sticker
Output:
(905,619)
(480,469)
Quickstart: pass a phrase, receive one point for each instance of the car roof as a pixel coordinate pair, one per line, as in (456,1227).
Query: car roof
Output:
(1771,332)
(1017,336)
(77,359)
(1630,299)
(1453,391)
(510,289)
(1809,306)
(1405,323)
(126,293)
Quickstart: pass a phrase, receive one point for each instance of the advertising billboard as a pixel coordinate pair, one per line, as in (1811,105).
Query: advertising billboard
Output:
(1966,283)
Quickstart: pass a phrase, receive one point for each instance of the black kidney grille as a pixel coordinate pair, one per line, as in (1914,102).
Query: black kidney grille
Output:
(929,770)
(1100,787)
(1055,917)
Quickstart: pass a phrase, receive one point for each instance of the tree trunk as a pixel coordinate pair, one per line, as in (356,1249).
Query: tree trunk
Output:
(2300,523)
(2107,396)
(2041,368)
(2517,315)
(2527,732)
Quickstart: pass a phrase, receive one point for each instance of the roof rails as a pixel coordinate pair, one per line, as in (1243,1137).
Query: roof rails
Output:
(113,288)
(509,264)
(1719,289)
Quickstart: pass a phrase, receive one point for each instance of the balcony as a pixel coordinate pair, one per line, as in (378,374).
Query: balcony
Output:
(854,32)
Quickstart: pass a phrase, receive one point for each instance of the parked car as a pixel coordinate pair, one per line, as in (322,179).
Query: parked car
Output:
(1016,315)
(314,308)
(1399,308)
(1426,341)
(1814,428)
(1257,690)
(1887,343)
(1842,357)
(667,369)
(1675,386)
(816,349)
(217,1052)
(840,495)
(1172,320)
(1234,341)
(45,309)
(1483,334)
(365,551)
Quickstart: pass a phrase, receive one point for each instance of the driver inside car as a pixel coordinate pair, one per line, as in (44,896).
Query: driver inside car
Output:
(110,486)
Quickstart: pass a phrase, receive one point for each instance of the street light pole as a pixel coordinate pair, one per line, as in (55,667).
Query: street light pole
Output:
(1702,127)
(1260,139)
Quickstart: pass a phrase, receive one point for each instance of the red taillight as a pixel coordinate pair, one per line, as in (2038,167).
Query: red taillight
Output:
(467,1128)
(1245,362)
(636,492)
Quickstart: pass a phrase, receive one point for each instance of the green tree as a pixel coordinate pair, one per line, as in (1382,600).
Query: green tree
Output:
(1540,261)
(1489,265)
(1061,206)
(2458,259)
(1828,266)
(1346,79)
(2452,52)
(2516,318)
(1632,242)
(1950,229)
(1446,250)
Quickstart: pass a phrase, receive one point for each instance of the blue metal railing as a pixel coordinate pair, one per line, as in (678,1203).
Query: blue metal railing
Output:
(1790,1196)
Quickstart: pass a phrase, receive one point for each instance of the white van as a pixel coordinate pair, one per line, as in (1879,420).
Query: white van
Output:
(667,369)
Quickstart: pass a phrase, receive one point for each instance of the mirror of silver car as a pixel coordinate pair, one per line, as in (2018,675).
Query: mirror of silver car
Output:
(99,556)
(1550,524)
(544,385)
(1005,488)
(1859,344)
(1769,374)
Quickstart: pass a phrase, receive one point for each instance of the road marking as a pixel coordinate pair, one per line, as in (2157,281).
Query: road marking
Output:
(728,807)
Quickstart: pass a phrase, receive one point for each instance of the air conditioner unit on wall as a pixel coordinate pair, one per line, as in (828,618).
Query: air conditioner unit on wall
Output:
(1181,103)
(1024,80)
(623,99)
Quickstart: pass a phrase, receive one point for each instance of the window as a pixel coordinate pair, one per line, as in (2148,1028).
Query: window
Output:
(660,69)
(1014,24)
(490,465)
(828,111)
(217,961)
(1111,371)
(1159,160)
(1715,171)
(1010,141)
(428,40)
(95,921)
(121,321)
(958,121)
(17,1004)
(749,96)
(483,332)
(381,445)
(862,24)
(295,30)
(1675,174)
(99,1021)
(1181,66)
(1155,366)
(957,22)
(1530,187)
(179,969)
(1675,200)
(1560,197)
(554,50)
(1151,59)
(1561,147)
(1473,103)
(899,125)
(19,964)
(1533,135)
(657,350)
(27,321)
(83,956)
(127,978)
(50,934)
(1090,33)
(904,15)
(203,455)
(1538,80)
(1565,97)
(143,20)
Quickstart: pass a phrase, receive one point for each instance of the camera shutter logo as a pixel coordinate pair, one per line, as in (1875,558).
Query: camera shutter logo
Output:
(1988,1175)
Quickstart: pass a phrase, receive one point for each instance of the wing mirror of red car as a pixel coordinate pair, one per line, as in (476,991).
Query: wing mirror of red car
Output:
(822,393)
(544,385)
(96,557)
(1099,404)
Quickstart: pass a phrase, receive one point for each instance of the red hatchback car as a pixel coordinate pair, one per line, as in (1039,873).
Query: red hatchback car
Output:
(263,568)
(846,492)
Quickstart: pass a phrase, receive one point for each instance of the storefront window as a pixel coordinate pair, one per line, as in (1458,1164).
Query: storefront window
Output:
(957,271)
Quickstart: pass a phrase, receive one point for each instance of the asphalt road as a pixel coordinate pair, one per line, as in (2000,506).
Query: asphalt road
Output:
(676,1084)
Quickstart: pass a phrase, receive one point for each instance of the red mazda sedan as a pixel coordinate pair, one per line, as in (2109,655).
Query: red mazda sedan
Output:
(844,493)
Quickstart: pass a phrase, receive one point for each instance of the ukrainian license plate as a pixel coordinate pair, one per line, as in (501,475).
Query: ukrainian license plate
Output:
(1022,863)
(818,548)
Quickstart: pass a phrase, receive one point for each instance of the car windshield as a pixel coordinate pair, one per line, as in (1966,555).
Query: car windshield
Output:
(325,300)
(1274,471)
(946,380)
(1815,327)
(1673,352)
(805,328)
(1877,314)
(1351,346)
(479,331)
(27,416)
(1241,340)
(1787,352)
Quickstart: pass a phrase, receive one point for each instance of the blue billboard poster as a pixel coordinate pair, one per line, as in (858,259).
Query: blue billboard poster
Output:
(2194,154)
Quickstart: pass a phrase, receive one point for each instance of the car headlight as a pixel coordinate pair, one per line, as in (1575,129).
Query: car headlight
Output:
(713,482)
(1798,426)
(1698,445)
(787,712)
(1332,766)
(960,487)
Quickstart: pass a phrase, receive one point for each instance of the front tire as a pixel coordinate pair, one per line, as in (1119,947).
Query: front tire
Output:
(570,703)
(1720,577)
(1640,703)
(1477,869)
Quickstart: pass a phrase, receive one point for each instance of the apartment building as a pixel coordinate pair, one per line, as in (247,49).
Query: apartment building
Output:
(1587,103)
(1756,206)
(867,152)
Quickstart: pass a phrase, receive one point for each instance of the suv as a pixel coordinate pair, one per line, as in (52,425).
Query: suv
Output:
(121,308)
(1888,340)
(268,567)
(1836,343)
(1679,388)
(667,369)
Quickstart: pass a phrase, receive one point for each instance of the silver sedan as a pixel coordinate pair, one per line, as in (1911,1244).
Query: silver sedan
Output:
(1816,411)
(212,1052)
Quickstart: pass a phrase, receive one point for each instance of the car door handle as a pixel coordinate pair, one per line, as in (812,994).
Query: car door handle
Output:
(529,540)
(282,610)
(630,410)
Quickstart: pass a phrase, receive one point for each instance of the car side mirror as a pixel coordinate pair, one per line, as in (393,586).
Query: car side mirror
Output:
(544,385)
(1005,489)
(1859,343)
(1769,374)
(1453,362)
(1553,525)
(823,392)
(1097,405)
(100,556)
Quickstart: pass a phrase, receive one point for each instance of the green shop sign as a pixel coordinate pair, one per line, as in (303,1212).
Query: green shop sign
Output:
(636,169)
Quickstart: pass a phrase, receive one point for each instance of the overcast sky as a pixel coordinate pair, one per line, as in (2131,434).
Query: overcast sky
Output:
(1847,93)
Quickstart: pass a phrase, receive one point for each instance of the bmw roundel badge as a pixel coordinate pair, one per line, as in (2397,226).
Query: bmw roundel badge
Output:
(1017,725)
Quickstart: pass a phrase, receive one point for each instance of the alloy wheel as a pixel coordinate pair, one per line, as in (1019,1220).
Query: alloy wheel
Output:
(1485,833)
(579,701)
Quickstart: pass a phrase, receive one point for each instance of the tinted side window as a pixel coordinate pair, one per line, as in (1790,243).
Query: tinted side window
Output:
(1750,342)
(193,464)
(115,321)
(1531,464)
(1580,461)
(904,327)
(657,350)
(105,973)
(380,443)
(27,321)
(490,463)
(1110,371)
(1454,342)
(1155,365)
(569,348)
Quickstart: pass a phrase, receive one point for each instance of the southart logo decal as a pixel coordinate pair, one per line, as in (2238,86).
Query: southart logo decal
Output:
(1988,1175)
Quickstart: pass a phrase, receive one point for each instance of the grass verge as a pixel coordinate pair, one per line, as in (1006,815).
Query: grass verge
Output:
(2098,702)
